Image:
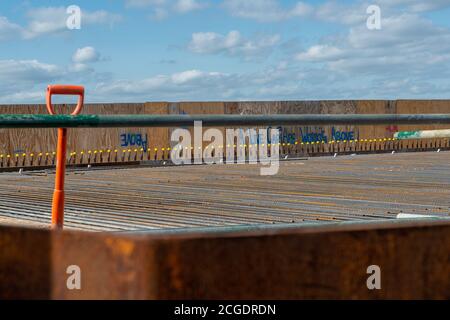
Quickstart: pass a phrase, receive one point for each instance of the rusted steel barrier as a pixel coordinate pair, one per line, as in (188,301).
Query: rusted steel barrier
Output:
(295,262)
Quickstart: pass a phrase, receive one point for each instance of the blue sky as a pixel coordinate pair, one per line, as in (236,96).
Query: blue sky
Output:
(185,50)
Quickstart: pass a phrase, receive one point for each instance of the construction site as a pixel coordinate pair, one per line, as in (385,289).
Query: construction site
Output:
(373,189)
(219,159)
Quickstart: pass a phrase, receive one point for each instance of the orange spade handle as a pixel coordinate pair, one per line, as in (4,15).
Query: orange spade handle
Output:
(66,90)
(58,193)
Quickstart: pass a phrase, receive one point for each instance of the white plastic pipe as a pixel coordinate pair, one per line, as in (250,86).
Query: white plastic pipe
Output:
(422,134)
(414,216)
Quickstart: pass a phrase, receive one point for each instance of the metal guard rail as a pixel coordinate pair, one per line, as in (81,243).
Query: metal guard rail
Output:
(111,121)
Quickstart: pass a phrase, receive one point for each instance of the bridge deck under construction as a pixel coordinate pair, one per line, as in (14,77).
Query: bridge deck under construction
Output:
(327,189)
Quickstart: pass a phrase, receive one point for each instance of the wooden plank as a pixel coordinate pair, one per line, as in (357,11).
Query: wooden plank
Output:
(423,106)
(375,107)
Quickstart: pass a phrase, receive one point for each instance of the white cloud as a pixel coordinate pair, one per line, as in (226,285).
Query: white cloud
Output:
(45,20)
(404,29)
(159,14)
(28,71)
(186,76)
(284,81)
(23,97)
(266,10)
(80,67)
(83,58)
(100,17)
(143,3)
(85,55)
(26,80)
(335,12)
(8,30)
(211,42)
(302,9)
(407,57)
(232,43)
(187,84)
(277,82)
(184,6)
(330,11)
(416,5)
(355,13)
(406,39)
(320,53)
(161,9)
(272,11)
(50,20)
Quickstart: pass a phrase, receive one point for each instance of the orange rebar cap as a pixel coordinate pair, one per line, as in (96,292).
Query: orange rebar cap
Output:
(62,89)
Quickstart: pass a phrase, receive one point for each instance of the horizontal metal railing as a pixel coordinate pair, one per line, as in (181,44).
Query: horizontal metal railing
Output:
(110,121)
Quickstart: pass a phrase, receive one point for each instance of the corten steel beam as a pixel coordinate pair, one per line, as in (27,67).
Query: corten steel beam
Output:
(107,121)
(304,262)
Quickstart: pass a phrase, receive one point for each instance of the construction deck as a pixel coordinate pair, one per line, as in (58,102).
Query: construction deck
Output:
(315,190)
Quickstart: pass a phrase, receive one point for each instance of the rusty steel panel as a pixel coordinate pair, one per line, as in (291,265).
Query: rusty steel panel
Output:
(25,263)
(112,267)
(328,265)
(304,262)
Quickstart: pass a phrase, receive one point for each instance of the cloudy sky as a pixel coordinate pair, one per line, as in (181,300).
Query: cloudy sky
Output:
(172,50)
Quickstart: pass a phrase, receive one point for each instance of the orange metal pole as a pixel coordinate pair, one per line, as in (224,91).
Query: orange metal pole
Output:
(58,193)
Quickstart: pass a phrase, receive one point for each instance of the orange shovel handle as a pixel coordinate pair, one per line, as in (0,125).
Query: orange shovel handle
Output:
(65,90)
(58,194)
